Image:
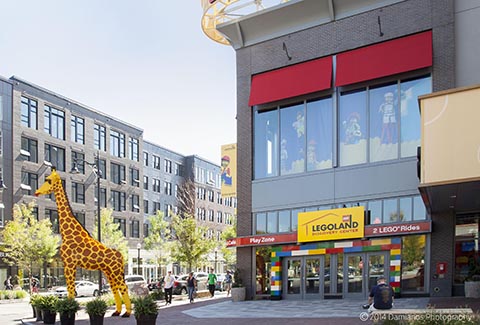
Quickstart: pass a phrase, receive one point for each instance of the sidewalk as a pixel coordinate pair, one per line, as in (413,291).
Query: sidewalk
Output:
(221,310)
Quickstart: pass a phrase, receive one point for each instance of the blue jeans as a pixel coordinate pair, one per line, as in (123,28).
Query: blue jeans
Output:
(191,292)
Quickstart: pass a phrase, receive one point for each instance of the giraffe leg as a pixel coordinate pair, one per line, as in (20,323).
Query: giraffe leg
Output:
(69,272)
(126,299)
(118,301)
(116,295)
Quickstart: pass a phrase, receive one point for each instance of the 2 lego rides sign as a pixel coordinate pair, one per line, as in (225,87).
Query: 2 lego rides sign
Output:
(331,224)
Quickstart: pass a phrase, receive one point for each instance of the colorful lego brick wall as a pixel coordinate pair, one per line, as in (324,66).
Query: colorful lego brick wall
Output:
(393,245)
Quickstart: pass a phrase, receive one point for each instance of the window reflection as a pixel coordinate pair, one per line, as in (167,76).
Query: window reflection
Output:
(263,267)
(319,134)
(413,263)
(410,120)
(292,145)
(383,123)
(467,257)
(352,128)
(266,144)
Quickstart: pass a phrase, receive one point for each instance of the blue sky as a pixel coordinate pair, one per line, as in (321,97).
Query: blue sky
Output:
(146,62)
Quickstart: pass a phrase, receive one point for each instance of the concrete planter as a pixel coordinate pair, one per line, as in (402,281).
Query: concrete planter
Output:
(238,294)
(472,289)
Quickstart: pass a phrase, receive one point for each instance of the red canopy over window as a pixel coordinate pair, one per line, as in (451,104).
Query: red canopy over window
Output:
(292,81)
(384,59)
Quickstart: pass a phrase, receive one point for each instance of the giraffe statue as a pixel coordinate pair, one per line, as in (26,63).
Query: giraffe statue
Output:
(79,249)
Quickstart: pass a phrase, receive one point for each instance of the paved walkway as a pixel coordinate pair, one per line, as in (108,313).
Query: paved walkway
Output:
(221,310)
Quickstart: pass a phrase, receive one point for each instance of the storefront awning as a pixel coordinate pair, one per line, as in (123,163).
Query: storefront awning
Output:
(295,80)
(384,59)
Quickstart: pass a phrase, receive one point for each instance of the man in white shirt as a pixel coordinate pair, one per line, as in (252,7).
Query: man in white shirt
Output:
(169,281)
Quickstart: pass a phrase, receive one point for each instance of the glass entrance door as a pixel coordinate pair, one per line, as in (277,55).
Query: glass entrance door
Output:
(303,277)
(361,271)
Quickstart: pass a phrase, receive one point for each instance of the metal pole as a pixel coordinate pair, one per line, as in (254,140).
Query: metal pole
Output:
(215,261)
(97,162)
(138,262)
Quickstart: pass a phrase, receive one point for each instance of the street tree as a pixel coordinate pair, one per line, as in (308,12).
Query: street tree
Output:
(190,244)
(186,198)
(111,234)
(158,239)
(229,253)
(29,242)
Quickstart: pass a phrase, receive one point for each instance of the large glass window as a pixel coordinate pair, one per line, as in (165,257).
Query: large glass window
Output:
(29,113)
(353,128)
(419,211)
(78,159)
(375,208)
(383,123)
(56,156)
(118,199)
(406,209)
(319,134)
(413,263)
(78,129)
(29,146)
(78,192)
(292,144)
(263,267)
(272,222)
(117,173)
(261,223)
(390,211)
(410,113)
(133,149)
(99,137)
(266,144)
(54,122)
(117,144)
(284,221)
(467,251)
(31,182)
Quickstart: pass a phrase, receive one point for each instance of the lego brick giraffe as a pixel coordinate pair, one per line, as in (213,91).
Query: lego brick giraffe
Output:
(79,249)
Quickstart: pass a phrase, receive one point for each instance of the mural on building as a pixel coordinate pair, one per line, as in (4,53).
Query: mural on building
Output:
(79,249)
(228,170)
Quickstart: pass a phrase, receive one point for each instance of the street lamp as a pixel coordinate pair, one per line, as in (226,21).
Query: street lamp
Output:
(139,246)
(98,173)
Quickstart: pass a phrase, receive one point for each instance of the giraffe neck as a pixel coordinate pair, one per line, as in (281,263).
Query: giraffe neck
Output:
(66,218)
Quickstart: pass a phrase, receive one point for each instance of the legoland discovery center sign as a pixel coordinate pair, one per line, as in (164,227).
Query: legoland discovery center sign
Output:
(331,224)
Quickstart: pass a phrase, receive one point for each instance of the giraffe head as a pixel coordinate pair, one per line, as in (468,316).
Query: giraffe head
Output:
(47,187)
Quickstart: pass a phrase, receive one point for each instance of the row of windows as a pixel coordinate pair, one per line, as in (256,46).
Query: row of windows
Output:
(370,124)
(209,177)
(403,209)
(169,167)
(54,124)
(209,215)
(56,156)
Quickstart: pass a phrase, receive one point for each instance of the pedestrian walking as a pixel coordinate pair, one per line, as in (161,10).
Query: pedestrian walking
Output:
(191,286)
(228,282)
(8,283)
(169,281)
(212,280)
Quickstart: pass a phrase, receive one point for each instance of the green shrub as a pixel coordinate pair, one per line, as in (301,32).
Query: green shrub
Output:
(35,300)
(158,294)
(97,306)
(48,303)
(67,306)
(145,305)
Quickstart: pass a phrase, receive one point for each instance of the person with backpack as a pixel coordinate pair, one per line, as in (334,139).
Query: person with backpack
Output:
(381,296)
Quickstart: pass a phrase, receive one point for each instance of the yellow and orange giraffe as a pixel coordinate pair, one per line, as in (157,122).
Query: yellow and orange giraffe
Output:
(79,249)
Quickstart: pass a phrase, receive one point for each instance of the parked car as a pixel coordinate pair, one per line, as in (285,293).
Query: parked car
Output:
(220,285)
(82,289)
(25,283)
(202,278)
(155,284)
(135,280)
(180,285)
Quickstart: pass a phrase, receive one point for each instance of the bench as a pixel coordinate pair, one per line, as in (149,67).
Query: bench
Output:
(405,316)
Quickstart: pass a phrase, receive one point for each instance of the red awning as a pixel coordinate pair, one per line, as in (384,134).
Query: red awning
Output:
(292,81)
(384,59)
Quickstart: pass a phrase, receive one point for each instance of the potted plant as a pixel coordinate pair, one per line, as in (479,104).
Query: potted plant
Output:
(238,290)
(35,301)
(67,309)
(96,310)
(47,304)
(145,310)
